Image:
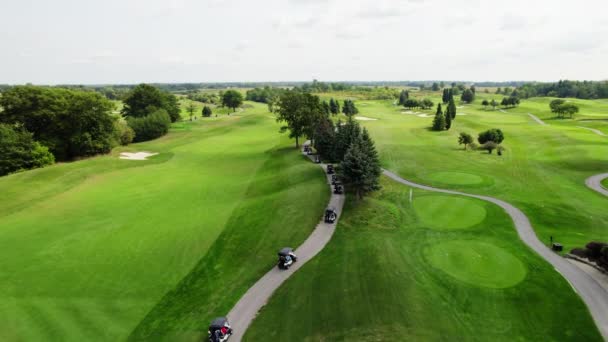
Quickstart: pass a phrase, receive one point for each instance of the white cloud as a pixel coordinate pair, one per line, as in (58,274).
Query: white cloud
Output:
(239,40)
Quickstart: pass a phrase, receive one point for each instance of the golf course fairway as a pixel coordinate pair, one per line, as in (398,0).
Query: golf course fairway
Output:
(393,283)
(105,249)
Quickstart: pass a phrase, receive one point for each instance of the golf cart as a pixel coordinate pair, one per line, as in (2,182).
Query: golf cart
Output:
(318,159)
(334,179)
(286,258)
(330,169)
(306,148)
(331,215)
(219,330)
(338,188)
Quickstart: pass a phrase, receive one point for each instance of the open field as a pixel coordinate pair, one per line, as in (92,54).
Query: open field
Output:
(109,245)
(389,275)
(541,172)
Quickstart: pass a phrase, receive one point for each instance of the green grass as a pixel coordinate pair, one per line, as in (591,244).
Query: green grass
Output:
(542,170)
(444,213)
(92,250)
(477,263)
(605,183)
(383,277)
(456,178)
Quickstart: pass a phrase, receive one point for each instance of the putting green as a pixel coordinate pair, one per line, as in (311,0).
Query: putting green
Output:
(455,178)
(477,263)
(449,212)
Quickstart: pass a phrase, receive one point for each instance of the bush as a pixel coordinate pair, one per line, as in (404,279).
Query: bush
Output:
(19,151)
(595,248)
(207,111)
(580,252)
(150,127)
(489,146)
(124,133)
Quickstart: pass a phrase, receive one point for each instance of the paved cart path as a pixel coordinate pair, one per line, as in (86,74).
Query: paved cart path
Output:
(592,293)
(245,310)
(596,131)
(595,183)
(537,119)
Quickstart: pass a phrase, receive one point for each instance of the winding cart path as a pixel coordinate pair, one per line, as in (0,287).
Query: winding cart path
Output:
(245,310)
(537,119)
(592,293)
(595,183)
(596,131)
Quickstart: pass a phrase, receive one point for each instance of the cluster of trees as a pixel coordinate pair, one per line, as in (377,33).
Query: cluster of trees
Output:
(468,95)
(489,140)
(443,121)
(264,95)
(145,99)
(566,88)
(211,98)
(563,108)
(507,102)
(414,103)
(305,115)
(150,111)
(70,123)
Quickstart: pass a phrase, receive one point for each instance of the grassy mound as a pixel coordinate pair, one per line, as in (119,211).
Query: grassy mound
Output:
(375,284)
(448,212)
(455,178)
(477,263)
(89,249)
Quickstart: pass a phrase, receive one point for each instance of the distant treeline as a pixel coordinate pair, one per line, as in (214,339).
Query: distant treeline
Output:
(565,88)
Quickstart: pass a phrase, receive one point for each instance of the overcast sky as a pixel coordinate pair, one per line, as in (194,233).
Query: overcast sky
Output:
(130,41)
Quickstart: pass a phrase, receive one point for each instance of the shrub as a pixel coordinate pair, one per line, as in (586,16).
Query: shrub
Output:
(595,248)
(580,252)
(207,111)
(489,146)
(124,133)
(150,127)
(19,151)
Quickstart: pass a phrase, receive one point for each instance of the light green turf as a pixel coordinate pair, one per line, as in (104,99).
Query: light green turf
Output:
(374,283)
(455,178)
(542,171)
(477,263)
(605,183)
(89,249)
(445,213)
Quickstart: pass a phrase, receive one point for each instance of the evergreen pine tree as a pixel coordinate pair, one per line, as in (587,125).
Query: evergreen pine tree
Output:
(360,171)
(452,109)
(448,121)
(439,121)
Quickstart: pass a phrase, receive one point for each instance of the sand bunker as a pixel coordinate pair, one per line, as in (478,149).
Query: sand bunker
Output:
(424,115)
(364,118)
(136,156)
(409,112)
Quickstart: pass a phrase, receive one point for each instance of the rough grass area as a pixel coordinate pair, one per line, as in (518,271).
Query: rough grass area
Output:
(374,282)
(90,249)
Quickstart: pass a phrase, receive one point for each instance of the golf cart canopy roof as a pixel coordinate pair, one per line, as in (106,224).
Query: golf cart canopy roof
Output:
(218,323)
(285,251)
(330,209)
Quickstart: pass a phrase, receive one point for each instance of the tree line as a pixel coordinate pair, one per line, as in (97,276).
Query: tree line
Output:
(566,88)
(305,115)
(40,125)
